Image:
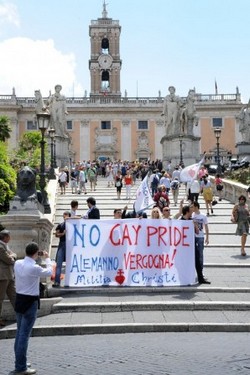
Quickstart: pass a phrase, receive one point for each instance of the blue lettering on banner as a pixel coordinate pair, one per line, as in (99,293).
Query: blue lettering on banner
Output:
(142,278)
(81,264)
(92,280)
(93,239)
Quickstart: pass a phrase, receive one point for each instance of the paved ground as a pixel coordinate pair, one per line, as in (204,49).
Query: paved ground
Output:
(140,354)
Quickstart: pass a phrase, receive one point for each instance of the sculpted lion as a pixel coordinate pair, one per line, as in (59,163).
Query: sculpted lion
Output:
(26,184)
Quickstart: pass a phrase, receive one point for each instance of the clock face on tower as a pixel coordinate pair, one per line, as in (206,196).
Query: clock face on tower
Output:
(105,61)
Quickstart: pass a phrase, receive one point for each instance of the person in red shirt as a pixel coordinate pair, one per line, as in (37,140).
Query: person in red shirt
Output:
(219,186)
(161,197)
(128,182)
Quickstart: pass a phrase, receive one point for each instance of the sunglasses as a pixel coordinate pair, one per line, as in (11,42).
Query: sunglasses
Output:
(166,210)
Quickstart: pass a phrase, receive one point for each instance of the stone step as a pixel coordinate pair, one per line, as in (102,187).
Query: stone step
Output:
(105,307)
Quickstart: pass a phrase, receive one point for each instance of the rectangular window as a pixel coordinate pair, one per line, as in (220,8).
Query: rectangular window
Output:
(31,125)
(143,125)
(106,125)
(69,125)
(217,122)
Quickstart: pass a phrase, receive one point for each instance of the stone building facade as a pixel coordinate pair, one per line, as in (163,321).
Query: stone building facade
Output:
(109,125)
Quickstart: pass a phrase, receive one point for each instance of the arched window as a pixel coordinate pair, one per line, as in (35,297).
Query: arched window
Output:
(105,81)
(105,45)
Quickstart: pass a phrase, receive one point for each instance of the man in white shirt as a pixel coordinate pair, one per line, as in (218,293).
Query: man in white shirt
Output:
(201,238)
(176,174)
(27,277)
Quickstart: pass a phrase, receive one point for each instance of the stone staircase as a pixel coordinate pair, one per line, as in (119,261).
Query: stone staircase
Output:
(224,303)
(221,306)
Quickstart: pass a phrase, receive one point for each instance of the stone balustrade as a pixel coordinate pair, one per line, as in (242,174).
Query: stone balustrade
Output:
(232,190)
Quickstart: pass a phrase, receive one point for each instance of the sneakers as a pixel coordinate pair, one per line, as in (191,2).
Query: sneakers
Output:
(56,285)
(204,281)
(28,371)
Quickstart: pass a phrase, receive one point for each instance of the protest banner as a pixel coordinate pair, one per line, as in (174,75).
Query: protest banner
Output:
(130,252)
(190,173)
(143,197)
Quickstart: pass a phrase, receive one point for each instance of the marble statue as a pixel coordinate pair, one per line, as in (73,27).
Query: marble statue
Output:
(39,103)
(58,112)
(172,111)
(244,122)
(189,118)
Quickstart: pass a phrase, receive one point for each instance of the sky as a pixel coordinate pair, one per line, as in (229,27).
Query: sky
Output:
(184,43)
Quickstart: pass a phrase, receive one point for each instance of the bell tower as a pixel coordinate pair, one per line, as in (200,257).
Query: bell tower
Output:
(105,63)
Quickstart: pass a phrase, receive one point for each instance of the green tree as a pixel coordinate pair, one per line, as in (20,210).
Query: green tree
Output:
(7,179)
(29,151)
(5,129)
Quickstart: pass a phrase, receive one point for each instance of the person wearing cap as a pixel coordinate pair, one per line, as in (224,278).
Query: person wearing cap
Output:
(7,283)
(27,276)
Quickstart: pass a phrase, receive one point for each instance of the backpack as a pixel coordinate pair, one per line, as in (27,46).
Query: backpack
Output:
(155,181)
(174,185)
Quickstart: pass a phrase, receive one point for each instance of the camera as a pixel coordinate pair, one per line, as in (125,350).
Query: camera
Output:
(40,253)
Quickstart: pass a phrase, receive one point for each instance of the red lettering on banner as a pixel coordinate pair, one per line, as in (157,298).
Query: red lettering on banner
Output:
(175,235)
(111,236)
(162,231)
(136,233)
(148,261)
(128,234)
(151,231)
(184,236)
(162,236)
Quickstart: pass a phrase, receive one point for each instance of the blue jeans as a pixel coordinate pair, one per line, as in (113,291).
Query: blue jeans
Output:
(199,247)
(60,258)
(25,324)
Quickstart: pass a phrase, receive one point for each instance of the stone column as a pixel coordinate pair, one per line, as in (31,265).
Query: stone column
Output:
(85,140)
(126,140)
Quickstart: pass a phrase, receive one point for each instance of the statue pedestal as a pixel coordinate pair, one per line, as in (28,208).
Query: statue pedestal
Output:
(62,150)
(26,223)
(243,149)
(171,149)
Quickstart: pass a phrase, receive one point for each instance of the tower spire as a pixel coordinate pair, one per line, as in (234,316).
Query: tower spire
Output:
(104,12)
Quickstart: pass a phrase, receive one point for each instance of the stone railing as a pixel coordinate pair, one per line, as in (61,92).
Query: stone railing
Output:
(232,190)
(114,100)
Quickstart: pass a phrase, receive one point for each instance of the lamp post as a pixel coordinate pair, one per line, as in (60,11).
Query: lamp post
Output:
(181,154)
(54,155)
(217,133)
(52,175)
(43,123)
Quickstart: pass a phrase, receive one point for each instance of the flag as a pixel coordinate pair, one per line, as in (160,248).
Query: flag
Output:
(216,88)
(143,197)
(190,173)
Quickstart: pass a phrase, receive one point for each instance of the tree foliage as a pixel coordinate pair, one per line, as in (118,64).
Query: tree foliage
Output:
(5,129)
(7,179)
(29,151)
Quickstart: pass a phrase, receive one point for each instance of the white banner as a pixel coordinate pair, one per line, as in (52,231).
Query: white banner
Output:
(143,197)
(130,252)
(190,173)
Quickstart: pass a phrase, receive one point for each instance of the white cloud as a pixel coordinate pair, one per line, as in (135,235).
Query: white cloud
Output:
(30,65)
(8,14)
